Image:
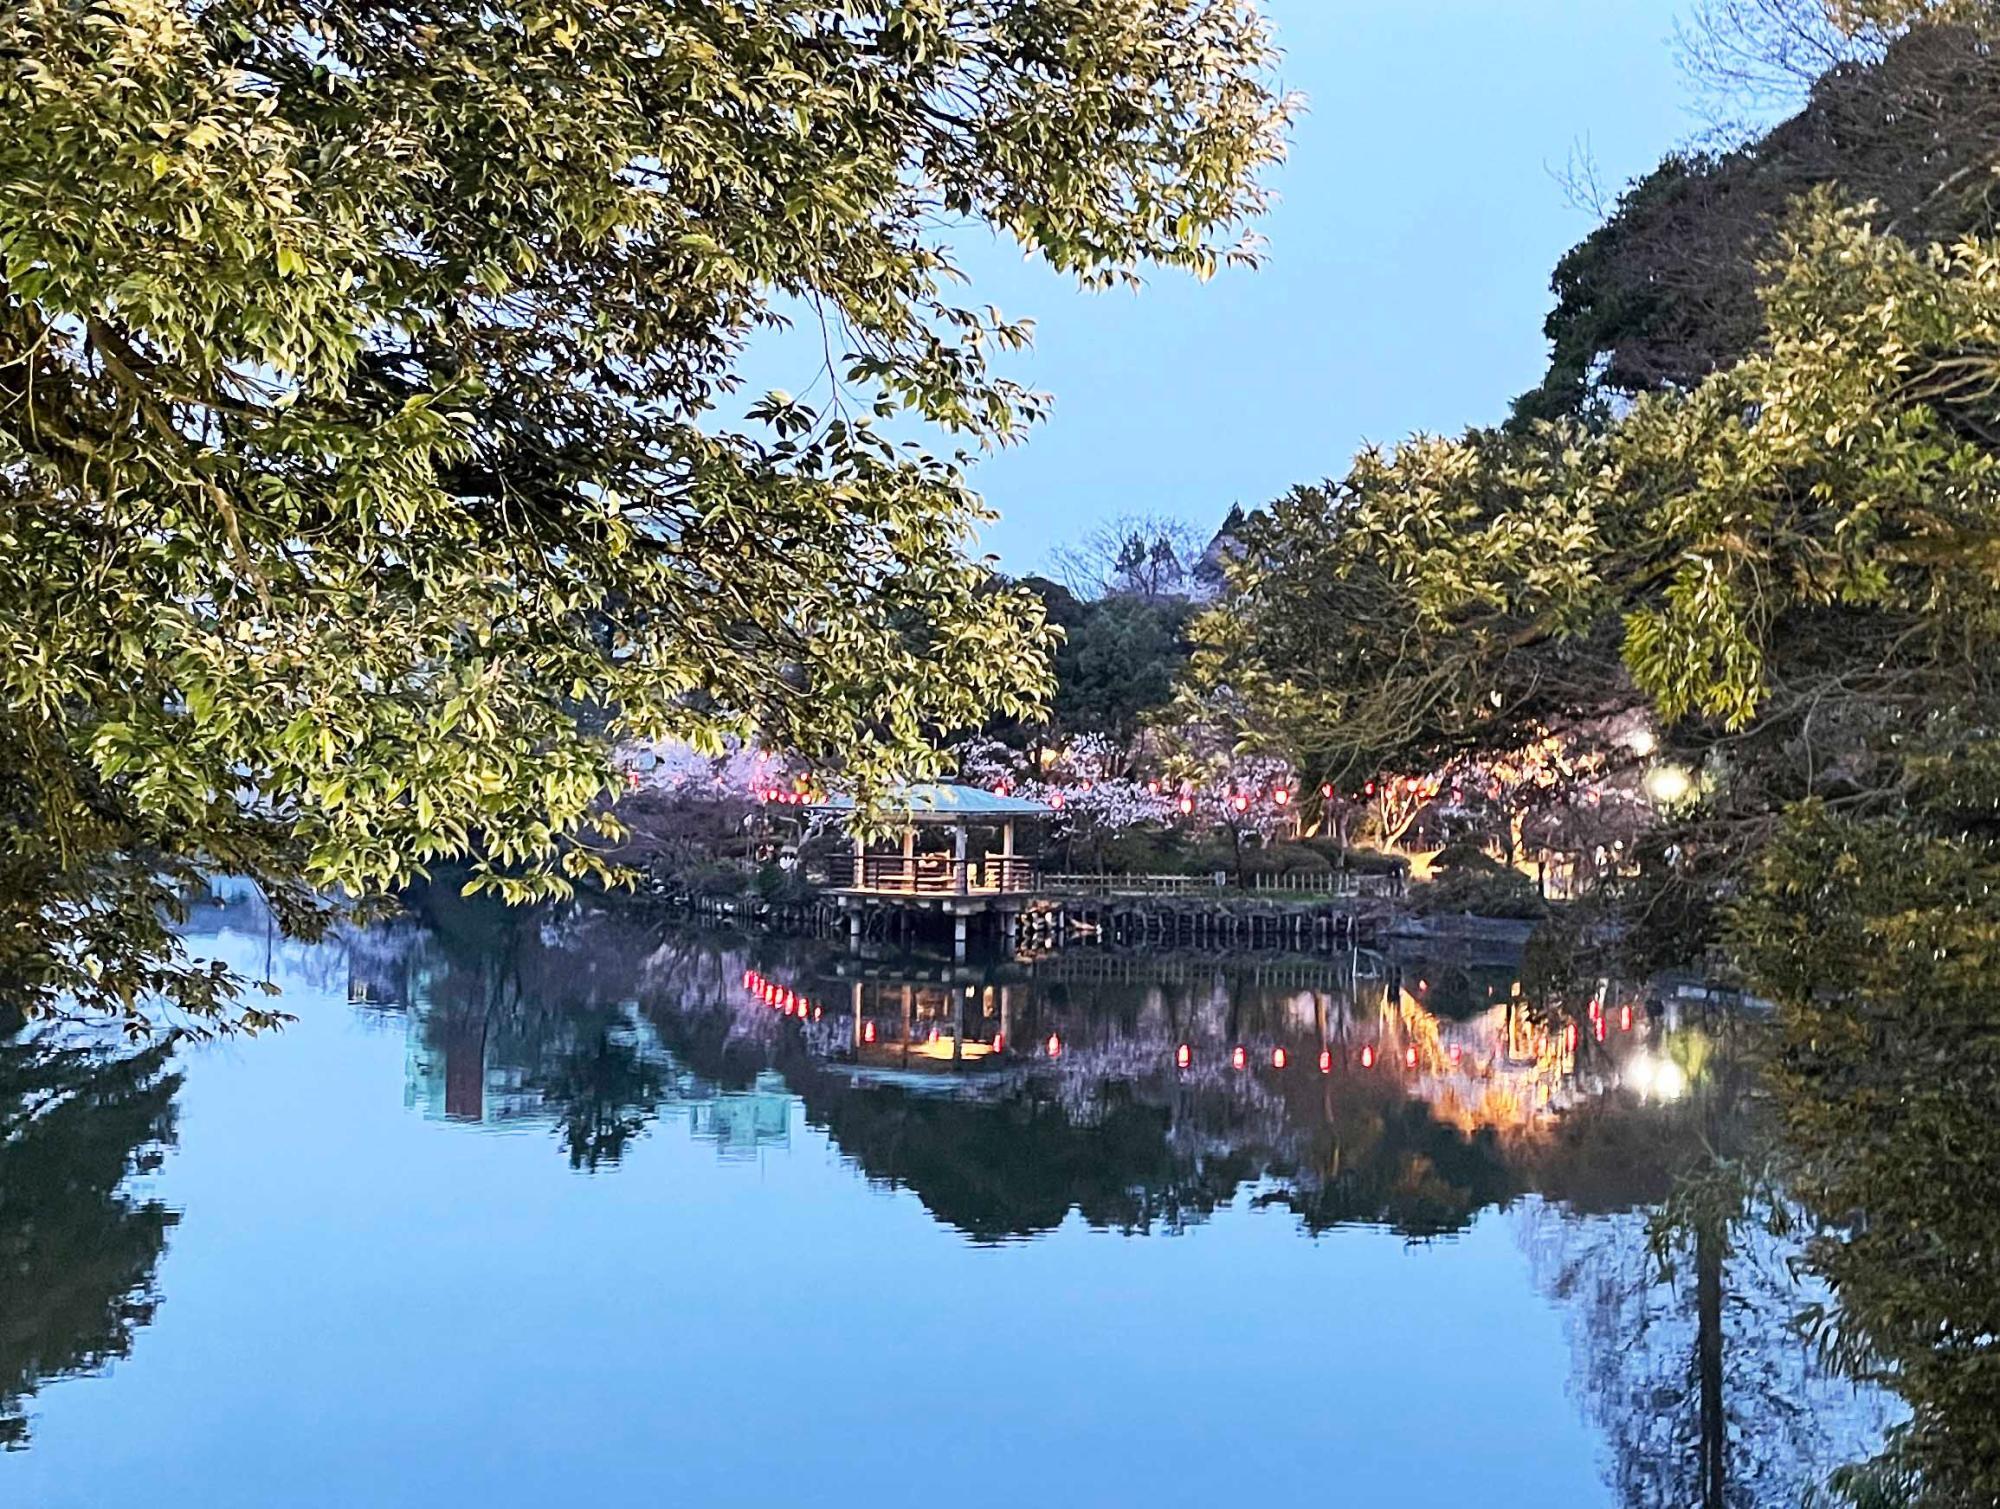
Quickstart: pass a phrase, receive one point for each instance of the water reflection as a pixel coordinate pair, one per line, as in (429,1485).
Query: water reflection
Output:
(78,1246)
(1142,1096)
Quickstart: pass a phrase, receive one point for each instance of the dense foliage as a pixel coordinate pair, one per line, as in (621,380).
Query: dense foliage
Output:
(1769,527)
(360,448)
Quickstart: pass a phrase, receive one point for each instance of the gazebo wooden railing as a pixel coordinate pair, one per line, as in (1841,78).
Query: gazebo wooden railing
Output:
(931,875)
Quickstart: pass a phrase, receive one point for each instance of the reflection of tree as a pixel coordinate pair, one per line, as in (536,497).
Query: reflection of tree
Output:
(601,1091)
(1884,951)
(1681,1316)
(77,1249)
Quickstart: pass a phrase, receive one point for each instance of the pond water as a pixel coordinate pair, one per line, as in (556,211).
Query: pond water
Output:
(584,1209)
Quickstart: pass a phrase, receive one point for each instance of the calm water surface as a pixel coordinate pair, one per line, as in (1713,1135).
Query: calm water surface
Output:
(548,1211)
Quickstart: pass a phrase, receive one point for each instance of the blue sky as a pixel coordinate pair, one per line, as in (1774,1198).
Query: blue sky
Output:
(1407,271)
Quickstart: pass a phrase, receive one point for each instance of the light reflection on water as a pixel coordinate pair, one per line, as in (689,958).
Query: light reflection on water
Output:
(777,1224)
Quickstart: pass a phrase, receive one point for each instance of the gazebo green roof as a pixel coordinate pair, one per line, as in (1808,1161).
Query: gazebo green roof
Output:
(946,802)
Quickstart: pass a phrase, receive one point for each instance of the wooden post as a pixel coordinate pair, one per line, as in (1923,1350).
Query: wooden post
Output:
(958,857)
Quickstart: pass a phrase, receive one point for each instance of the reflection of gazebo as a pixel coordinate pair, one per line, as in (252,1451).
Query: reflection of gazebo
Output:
(958,884)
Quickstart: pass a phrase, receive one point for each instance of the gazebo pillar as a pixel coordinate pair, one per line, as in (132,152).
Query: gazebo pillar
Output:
(958,857)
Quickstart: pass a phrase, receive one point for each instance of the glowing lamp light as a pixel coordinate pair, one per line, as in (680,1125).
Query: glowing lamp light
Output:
(1240,802)
(1327,791)
(1279,1058)
(1368,1058)
(1410,1057)
(1054,1045)
(1238,1058)
(1569,1036)
(1183,1057)
(1625,1018)
(1599,1029)
(1187,805)
(819,1013)
(1152,788)
(999,1042)
(867,1032)
(1667,784)
(1326,1061)
(1281,796)
(1056,800)
(1369,789)
(1456,1053)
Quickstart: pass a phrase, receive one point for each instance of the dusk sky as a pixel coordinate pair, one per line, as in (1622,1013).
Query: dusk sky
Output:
(1407,273)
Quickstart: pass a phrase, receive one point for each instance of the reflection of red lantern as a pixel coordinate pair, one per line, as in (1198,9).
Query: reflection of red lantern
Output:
(867,1032)
(1410,1057)
(1456,1053)
(999,1042)
(1569,1036)
(1368,1057)
(1054,1046)
(1326,1061)
(1327,791)
(1183,1056)
(1600,1029)
(1625,1018)
(1238,1058)
(1279,1058)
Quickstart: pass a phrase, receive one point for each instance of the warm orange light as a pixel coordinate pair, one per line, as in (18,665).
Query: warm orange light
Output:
(1183,1056)
(1279,1058)
(1238,1057)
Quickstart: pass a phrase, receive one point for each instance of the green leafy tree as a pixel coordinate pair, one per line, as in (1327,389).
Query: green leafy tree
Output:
(360,452)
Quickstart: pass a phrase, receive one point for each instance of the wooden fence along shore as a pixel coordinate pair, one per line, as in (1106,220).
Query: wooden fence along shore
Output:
(1299,913)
